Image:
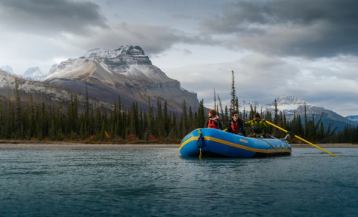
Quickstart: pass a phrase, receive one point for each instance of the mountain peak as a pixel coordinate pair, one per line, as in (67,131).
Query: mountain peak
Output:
(128,60)
(127,54)
(126,72)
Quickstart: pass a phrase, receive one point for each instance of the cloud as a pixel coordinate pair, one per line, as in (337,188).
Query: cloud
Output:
(50,17)
(261,78)
(39,31)
(60,28)
(296,28)
(42,50)
(154,39)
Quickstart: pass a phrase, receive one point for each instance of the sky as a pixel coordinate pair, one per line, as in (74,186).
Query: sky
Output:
(307,49)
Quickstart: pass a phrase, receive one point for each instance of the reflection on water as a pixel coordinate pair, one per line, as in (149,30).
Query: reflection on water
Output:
(156,182)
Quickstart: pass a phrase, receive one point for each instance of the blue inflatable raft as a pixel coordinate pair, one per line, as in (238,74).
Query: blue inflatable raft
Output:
(218,143)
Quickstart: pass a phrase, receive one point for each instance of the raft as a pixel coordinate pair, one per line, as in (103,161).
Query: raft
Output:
(217,143)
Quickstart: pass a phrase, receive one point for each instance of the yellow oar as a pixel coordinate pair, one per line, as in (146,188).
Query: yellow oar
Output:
(302,139)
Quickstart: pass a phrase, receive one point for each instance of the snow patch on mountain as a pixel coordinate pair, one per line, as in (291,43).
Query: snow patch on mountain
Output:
(115,53)
(128,61)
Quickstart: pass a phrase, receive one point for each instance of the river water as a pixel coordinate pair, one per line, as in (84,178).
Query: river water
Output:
(156,182)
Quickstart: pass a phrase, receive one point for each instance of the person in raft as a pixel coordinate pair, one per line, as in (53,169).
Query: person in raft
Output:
(257,126)
(213,120)
(236,124)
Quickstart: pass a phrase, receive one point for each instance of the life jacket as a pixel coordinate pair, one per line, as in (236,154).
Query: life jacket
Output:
(213,124)
(234,126)
(256,127)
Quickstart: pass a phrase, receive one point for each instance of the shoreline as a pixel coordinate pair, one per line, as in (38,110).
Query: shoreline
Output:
(94,146)
(99,146)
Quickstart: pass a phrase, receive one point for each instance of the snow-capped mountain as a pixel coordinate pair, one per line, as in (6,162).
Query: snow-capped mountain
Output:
(8,82)
(34,73)
(125,72)
(40,91)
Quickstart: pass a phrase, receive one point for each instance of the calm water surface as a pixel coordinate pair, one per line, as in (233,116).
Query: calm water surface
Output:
(156,182)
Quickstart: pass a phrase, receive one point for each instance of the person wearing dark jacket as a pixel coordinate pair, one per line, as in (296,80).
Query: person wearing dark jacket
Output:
(257,126)
(213,120)
(236,124)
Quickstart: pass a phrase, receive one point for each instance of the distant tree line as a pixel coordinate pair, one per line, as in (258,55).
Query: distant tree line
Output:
(307,126)
(90,123)
(43,121)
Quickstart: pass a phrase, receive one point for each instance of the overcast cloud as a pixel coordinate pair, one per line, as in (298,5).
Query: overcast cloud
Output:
(51,17)
(261,79)
(278,47)
(305,27)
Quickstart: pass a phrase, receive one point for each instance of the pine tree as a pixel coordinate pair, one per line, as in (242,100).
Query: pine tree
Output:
(305,121)
(201,115)
(215,103)
(276,112)
(166,117)
(234,103)
(86,118)
(18,113)
(221,111)
(159,119)
(190,120)
(184,119)
(226,117)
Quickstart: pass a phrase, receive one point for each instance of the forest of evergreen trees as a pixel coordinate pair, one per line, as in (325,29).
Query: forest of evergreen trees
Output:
(43,121)
(91,123)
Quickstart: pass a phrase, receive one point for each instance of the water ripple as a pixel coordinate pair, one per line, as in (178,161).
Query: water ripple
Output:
(156,182)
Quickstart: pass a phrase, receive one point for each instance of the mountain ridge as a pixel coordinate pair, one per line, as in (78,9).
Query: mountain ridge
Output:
(292,106)
(125,72)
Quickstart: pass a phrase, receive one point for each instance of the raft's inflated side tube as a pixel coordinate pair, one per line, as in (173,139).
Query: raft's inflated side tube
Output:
(213,142)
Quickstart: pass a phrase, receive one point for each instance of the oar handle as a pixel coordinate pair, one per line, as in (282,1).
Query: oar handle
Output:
(278,127)
(302,139)
(314,145)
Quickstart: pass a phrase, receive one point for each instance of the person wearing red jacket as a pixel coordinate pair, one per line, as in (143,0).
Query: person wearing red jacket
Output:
(236,124)
(213,120)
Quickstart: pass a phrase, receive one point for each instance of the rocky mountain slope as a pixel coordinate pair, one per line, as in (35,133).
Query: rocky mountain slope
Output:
(8,82)
(125,72)
(39,92)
